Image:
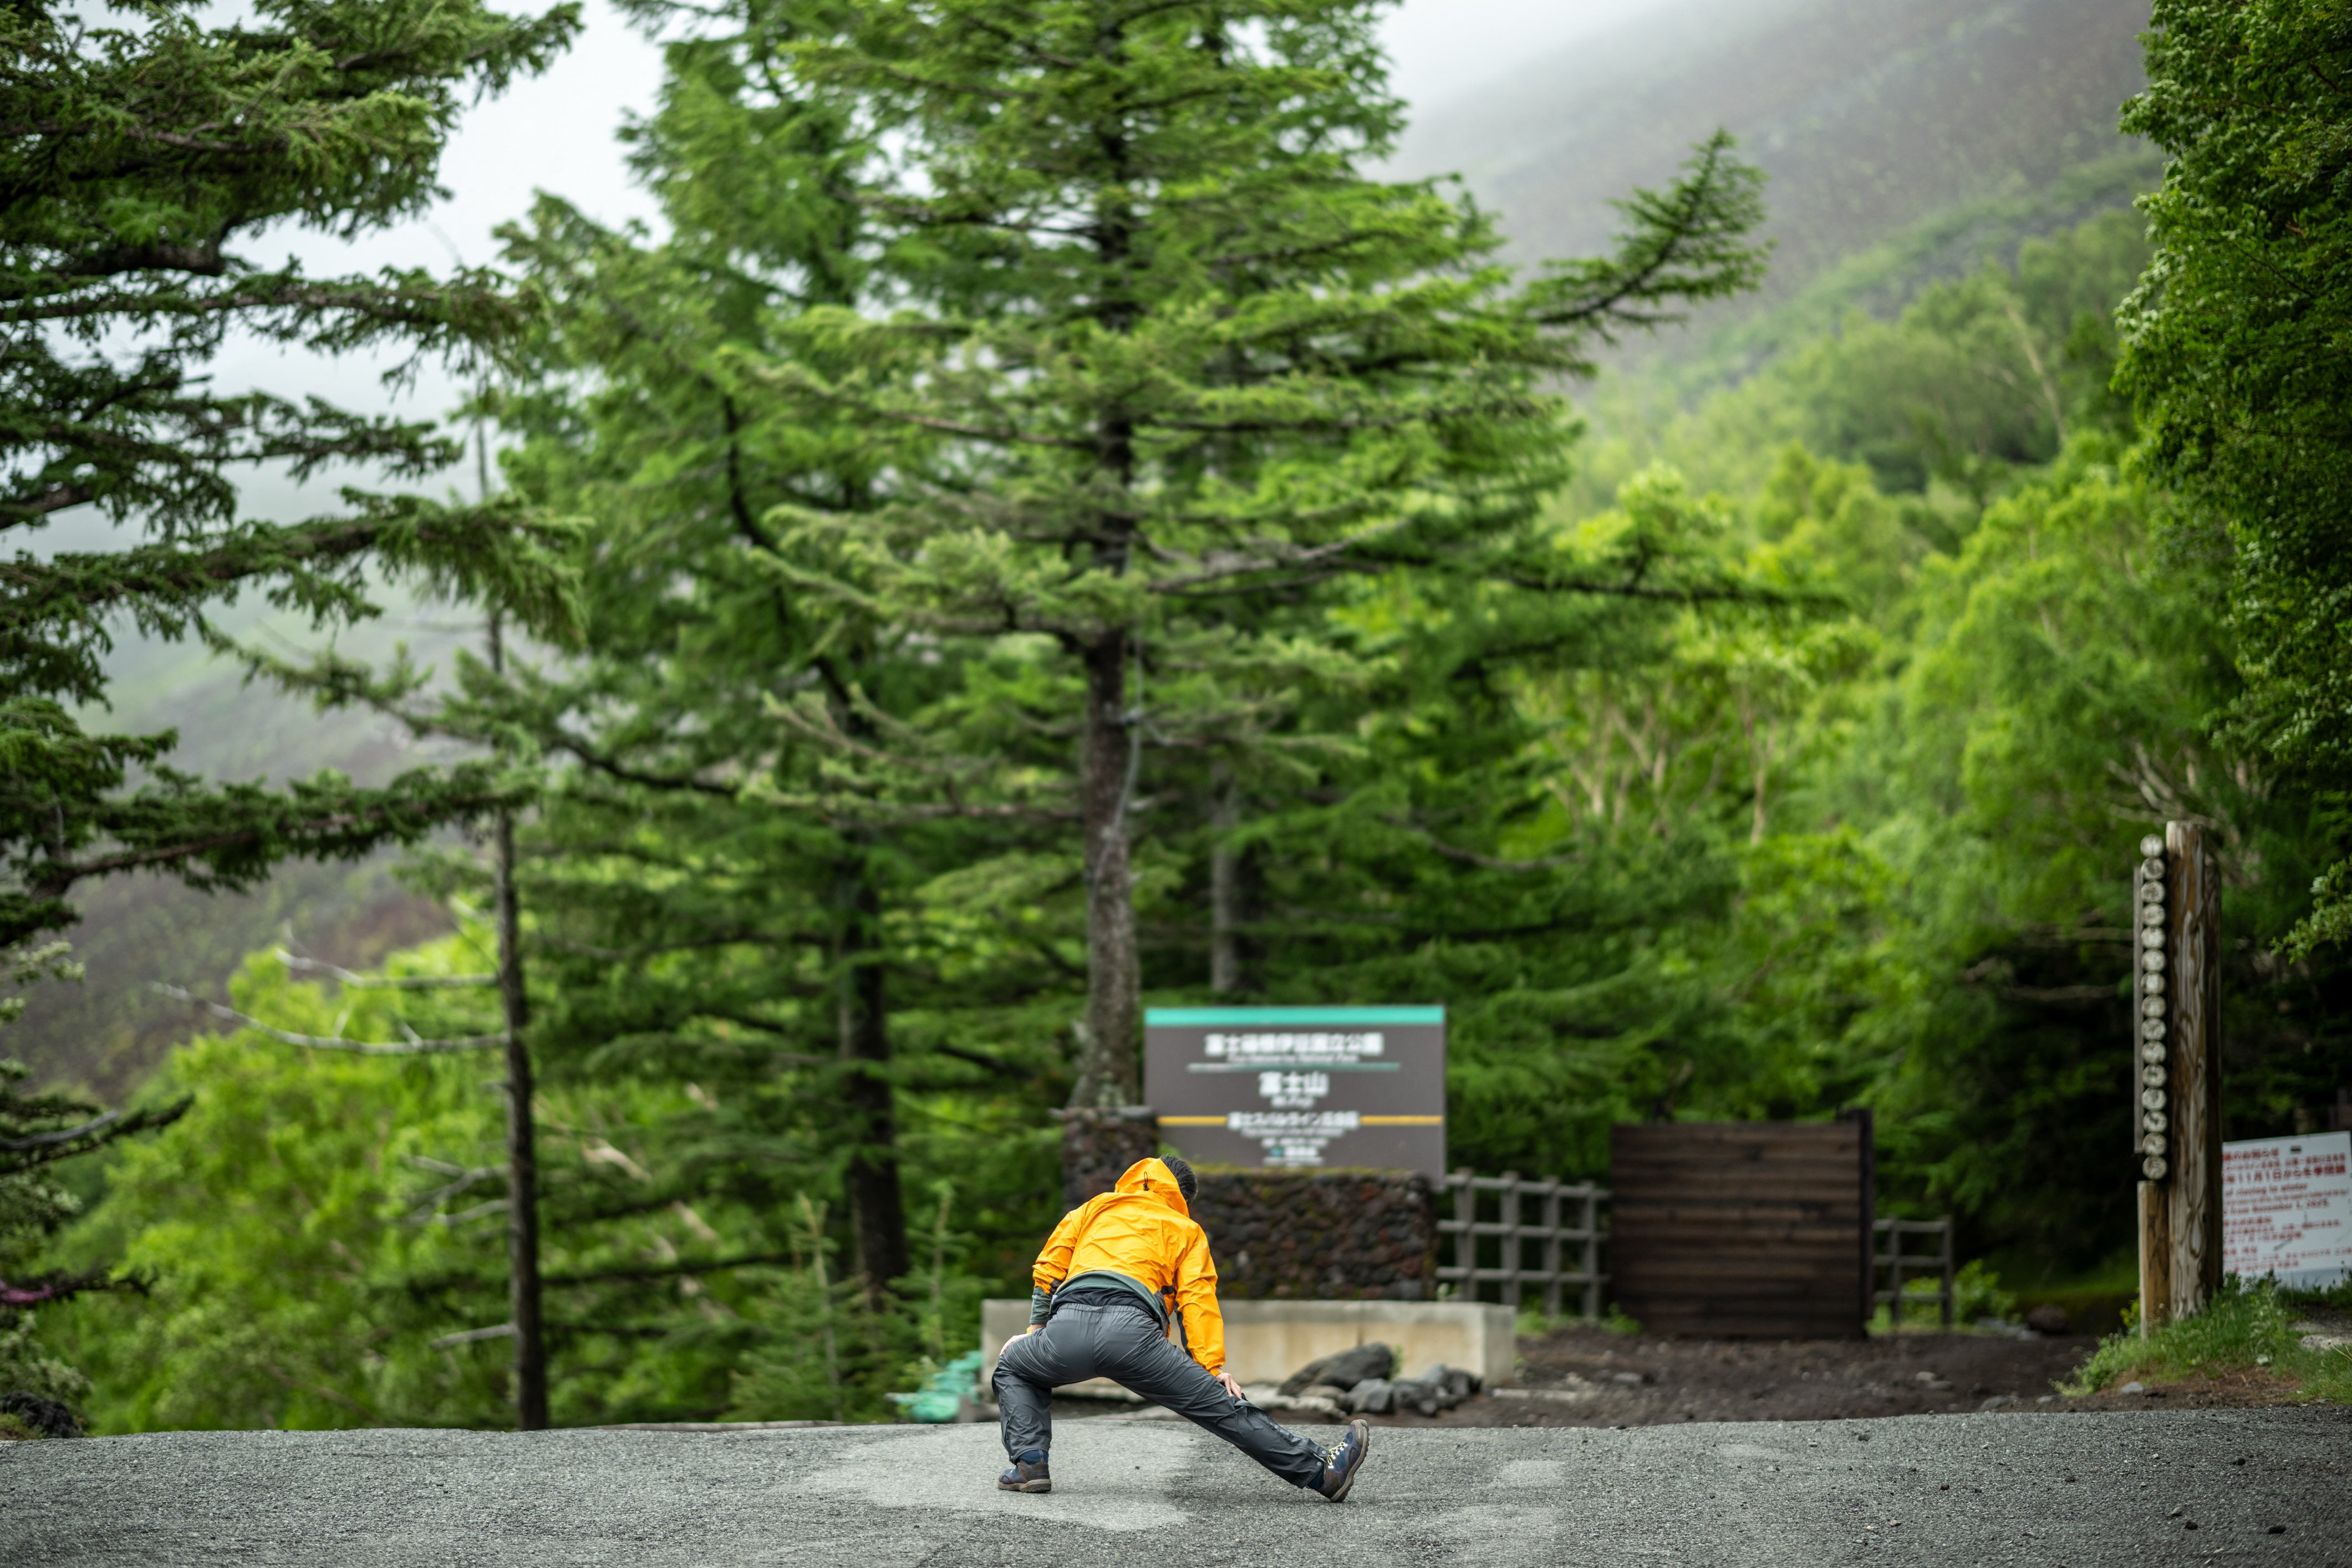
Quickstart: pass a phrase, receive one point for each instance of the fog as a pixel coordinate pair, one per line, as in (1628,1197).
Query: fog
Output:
(559,133)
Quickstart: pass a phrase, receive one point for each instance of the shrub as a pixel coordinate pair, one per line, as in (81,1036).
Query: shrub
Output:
(2248,1327)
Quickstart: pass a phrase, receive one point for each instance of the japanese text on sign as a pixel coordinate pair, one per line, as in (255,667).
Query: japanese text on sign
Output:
(1300,1087)
(2286,1209)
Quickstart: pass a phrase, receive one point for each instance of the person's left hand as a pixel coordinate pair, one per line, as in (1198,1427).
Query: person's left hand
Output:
(1232,1387)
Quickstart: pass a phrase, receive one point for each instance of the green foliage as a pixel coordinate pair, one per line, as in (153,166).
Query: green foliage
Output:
(1976,378)
(143,153)
(2049,700)
(896,478)
(1931,919)
(273,1223)
(2234,355)
(1977,1293)
(2247,1326)
(1880,279)
(321,1235)
(37,1132)
(1168,369)
(1863,843)
(827,1355)
(1062,535)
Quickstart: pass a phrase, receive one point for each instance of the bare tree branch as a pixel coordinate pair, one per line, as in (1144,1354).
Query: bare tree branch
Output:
(412,1048)
(471,1336)
(384,982)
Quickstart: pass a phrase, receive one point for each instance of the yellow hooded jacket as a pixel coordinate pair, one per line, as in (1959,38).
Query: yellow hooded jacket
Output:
(1144,1232)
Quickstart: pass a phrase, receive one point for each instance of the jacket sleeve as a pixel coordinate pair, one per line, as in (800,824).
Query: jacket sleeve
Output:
(1053,1265)
(1196,1298)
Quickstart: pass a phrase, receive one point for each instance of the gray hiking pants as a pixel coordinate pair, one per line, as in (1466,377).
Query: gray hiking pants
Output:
(1124,1344)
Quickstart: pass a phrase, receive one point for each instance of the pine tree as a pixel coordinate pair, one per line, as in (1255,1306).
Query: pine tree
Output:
(136,159)
(767,976)
(671,723)
(1189,369)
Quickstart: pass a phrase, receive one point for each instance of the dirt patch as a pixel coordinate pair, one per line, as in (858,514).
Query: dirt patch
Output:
(1587,1377)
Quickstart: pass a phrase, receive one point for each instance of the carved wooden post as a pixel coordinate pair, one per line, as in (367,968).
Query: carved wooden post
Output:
(2155,1259)
(2196,1191)
(2178,1084)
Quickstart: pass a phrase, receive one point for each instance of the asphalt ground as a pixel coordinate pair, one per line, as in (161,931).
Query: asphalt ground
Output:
(2266,1486)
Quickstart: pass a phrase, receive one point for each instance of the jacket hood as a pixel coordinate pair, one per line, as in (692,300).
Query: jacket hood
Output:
(1151,1178)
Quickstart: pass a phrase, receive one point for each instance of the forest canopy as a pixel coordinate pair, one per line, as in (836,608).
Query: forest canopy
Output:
(1042,529)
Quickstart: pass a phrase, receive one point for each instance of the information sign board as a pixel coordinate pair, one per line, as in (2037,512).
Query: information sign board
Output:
(1299,1088)
(2286,1209)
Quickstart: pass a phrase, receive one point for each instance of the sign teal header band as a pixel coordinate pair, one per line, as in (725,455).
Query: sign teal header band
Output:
(1179,1017)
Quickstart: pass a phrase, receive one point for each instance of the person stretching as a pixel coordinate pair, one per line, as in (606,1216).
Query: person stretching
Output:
(1099,1307)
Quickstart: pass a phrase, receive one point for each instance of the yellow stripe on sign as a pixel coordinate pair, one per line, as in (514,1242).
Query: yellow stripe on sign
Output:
(1361,1122)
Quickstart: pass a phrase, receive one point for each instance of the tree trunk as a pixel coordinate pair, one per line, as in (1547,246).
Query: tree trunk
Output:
(2193,948)
(1108,1069)
(522,1143)
(877,1216)
(522,1156)
(1224,884)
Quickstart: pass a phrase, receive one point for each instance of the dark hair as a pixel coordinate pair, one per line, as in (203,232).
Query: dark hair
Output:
(1186,1182)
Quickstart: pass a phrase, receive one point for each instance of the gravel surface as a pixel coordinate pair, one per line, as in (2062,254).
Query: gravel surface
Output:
(2151,1487)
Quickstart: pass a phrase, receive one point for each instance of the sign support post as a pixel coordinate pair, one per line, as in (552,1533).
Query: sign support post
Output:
(2177,1123)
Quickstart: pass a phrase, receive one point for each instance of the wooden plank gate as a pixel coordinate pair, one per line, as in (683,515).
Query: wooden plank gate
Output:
(1761,1229)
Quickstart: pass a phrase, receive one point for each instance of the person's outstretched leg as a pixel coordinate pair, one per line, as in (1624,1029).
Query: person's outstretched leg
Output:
(1026,1375)
(1131,1351)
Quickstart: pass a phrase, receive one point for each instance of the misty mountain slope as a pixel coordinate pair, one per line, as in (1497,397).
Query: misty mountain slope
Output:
(1870,116)
(107,1032)
(1732,339)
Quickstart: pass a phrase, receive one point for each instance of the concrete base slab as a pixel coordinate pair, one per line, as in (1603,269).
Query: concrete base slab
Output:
(1265,1341)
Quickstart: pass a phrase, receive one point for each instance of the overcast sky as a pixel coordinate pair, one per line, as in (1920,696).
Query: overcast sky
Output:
(557,133)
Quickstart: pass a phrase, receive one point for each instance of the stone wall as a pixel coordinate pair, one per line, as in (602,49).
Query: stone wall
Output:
(1306,1236)
(1097,1146)
(1326,1235)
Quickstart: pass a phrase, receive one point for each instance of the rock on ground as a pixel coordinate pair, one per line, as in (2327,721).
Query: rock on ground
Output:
(2266,1486)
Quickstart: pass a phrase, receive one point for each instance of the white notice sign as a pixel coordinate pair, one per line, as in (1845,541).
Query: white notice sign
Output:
(2286,1209)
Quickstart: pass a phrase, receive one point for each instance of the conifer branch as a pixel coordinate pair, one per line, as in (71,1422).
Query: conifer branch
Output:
(613,768)
(1472,857)
(1270,556)
(56,1288)
(65,1135)
(1689,243)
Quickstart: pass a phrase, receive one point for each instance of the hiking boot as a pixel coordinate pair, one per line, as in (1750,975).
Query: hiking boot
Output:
(1026,1474)
(1340,1464)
